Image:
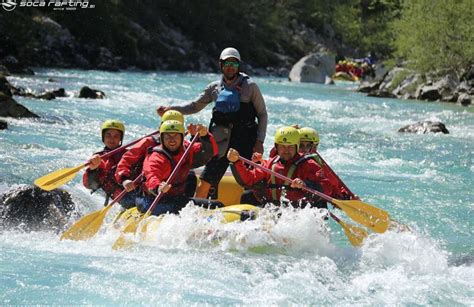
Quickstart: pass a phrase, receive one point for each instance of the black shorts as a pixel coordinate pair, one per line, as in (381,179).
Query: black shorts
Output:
(215,170)
(242,140)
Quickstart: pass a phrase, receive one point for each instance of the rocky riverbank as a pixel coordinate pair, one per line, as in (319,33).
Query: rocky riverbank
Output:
(9,107)
(406,84)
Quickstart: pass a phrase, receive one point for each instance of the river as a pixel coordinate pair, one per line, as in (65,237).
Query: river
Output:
(423,181)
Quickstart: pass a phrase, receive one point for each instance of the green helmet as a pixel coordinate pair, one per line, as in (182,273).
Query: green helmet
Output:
(308,134)
(172,115)
(112,124)
(287,136)
(172,126)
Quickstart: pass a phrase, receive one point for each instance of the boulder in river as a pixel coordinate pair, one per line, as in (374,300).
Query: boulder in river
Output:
(87,92)
(314,67)
(5,86)
(425,127)
(10,108)
(30,208)
(3,125)
(464,99)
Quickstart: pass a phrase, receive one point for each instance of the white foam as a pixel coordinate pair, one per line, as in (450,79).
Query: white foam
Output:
(295,230)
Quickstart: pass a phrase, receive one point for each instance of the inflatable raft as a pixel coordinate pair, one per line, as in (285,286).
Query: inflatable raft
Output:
(228,192)
(343,76)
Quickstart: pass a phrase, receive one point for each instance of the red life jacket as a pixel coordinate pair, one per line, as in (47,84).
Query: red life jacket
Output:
(103,176)
(298,167)
(131,164)
(167,163)
(338,190)
(159,164)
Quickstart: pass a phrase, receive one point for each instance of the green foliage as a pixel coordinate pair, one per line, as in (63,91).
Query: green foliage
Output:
(366,24)
(436,35)
(429,34)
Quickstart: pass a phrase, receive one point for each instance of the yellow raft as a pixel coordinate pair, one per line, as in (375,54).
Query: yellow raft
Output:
(343,76)
(229,192)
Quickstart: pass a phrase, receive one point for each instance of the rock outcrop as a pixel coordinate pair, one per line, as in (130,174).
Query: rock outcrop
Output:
(3,125)
(406,84)
(30,208)
(425,127)
(315,67)
(12,65)
(87,92)
(8,106)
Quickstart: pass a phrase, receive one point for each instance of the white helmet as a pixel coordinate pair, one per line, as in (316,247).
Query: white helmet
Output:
(229,53)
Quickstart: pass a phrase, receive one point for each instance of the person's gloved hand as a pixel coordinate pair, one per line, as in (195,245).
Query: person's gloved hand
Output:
(257,157)
(94,162)
(233,155)
(164,187)
(129,185)
(197,128)
(297,183)
(161,110)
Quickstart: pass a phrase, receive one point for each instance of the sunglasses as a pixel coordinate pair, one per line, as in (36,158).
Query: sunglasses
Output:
(231,64)
(307,146)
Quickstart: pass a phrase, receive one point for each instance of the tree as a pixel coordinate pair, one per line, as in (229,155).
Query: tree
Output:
(436,35)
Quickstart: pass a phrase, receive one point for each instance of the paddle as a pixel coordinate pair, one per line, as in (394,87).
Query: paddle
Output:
(395,223)
(356,235)
(87,226)
(132,224)
(57,178)
(372,217)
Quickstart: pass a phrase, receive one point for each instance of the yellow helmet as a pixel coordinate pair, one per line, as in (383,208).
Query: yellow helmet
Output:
(172,115)
(112,124)
(172,126)
(287,136)
(308,134)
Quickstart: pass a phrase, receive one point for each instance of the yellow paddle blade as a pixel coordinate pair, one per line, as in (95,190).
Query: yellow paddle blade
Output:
(130,227)
(121,219)
(56,179)
(149,227)
(356,235)
(87,226)
(122,242)
(151,224)
(372,217)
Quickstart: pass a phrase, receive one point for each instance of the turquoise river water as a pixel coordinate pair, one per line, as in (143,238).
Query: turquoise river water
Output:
(423,181)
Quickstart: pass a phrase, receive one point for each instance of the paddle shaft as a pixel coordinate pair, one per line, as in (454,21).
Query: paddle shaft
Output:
(334,217)
(126,145)
(108,154)
(122,194)
(334,173)
(173,174)
(354,237)
(323,196)
(372,217)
